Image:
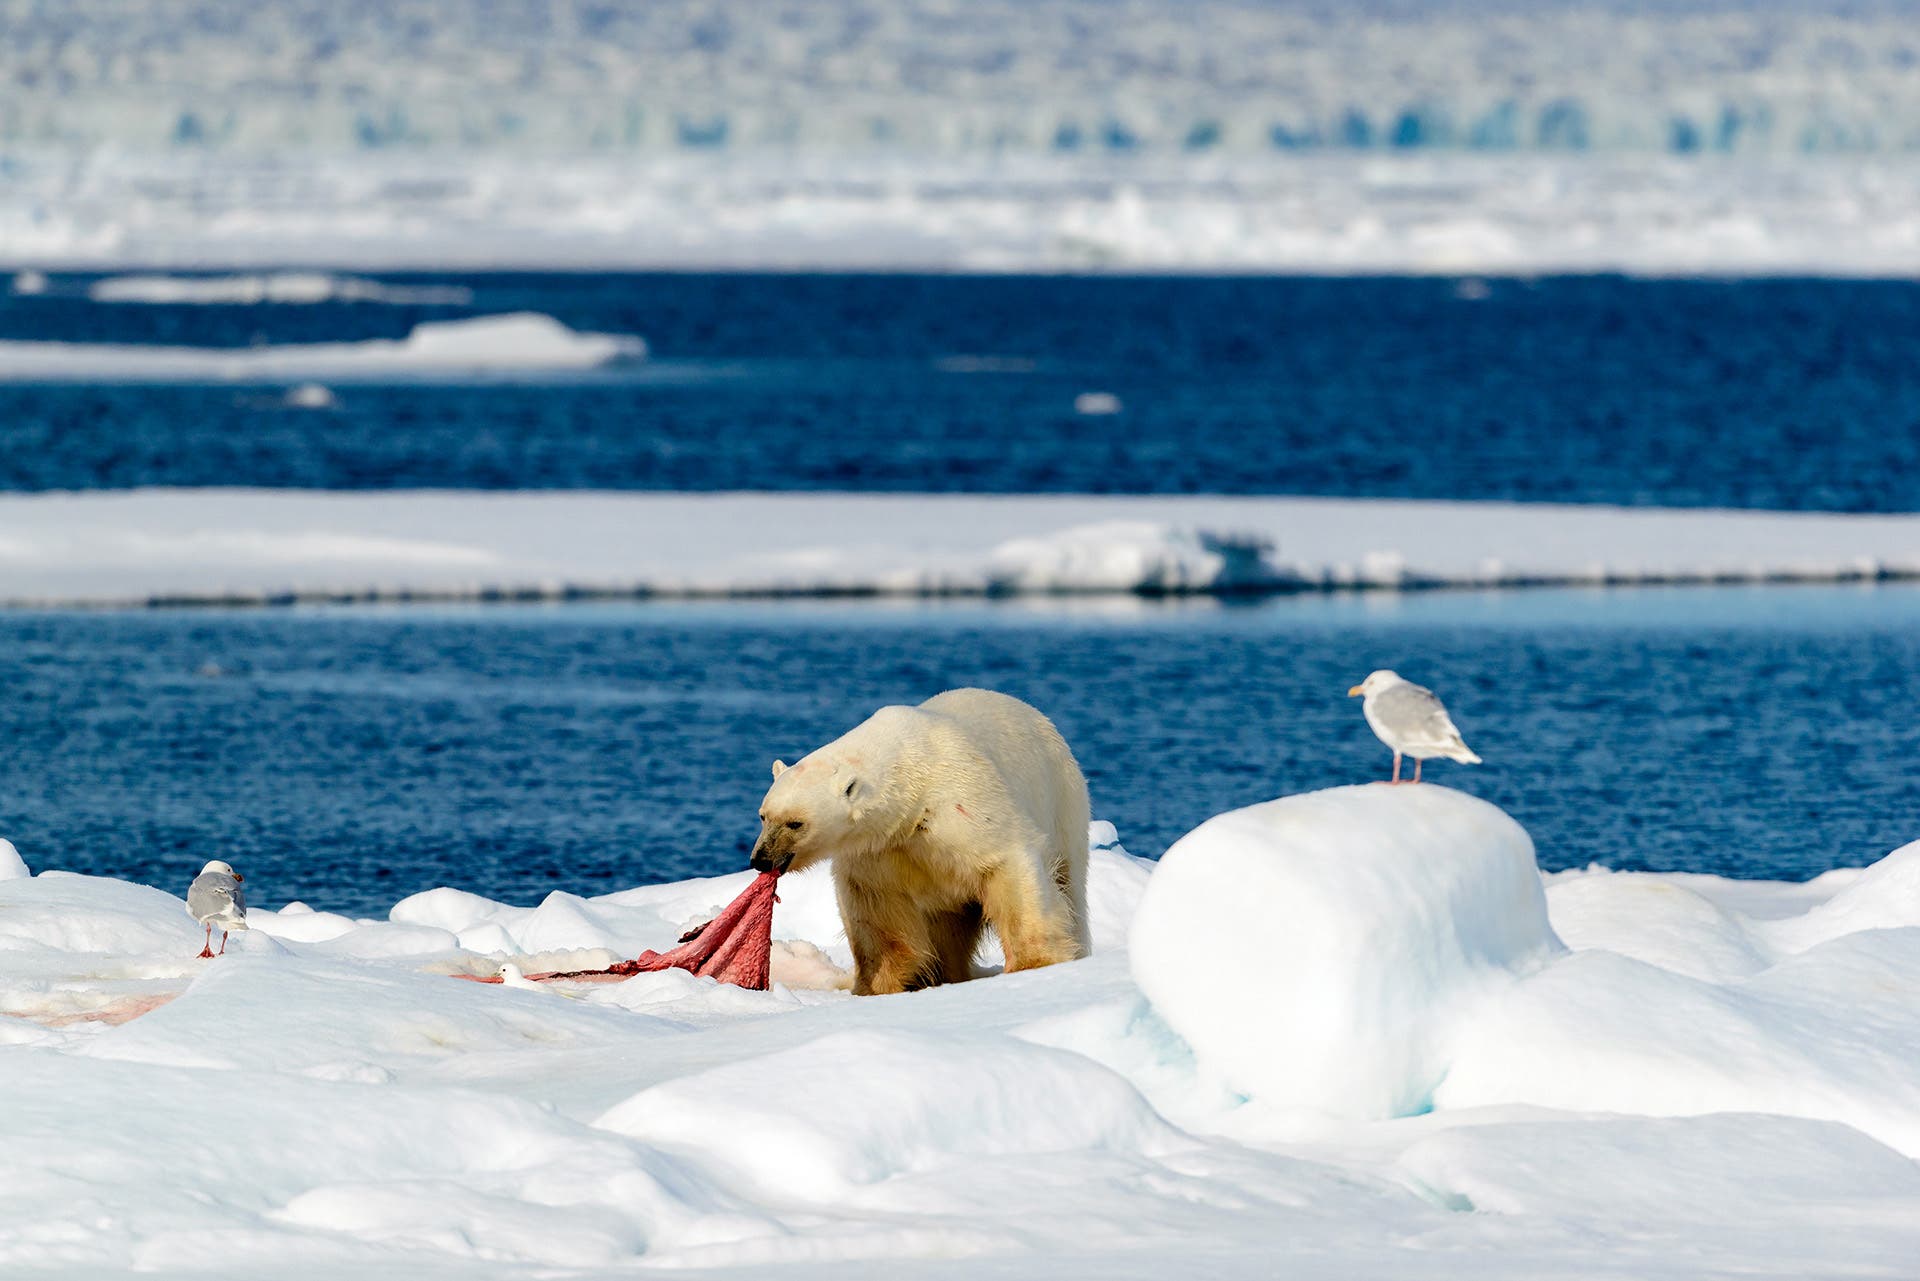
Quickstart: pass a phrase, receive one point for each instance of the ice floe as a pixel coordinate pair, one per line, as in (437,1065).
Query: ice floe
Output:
(523,342)
(244,545)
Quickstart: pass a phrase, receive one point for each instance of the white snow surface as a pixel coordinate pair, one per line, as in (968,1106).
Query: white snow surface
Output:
(1638,1103)
(245,545)
(520,342)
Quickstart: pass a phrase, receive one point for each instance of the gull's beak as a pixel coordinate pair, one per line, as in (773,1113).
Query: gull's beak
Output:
(238,877)
(1353,691)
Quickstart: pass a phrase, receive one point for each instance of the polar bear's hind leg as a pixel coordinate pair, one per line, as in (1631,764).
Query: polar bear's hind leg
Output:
(1035,925)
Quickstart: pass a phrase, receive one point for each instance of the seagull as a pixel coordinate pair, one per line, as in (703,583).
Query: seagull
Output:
(512,975)
(215,898)
(1410,720)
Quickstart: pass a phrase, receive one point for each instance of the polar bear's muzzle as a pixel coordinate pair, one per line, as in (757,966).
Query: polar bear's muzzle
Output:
(767,857)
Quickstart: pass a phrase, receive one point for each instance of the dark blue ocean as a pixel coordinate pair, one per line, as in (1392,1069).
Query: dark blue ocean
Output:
(1798,394)
(347,757)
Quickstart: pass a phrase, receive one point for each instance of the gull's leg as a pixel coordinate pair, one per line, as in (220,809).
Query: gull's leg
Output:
(223,942)
(206,952)
(1418,761)
(1396,767)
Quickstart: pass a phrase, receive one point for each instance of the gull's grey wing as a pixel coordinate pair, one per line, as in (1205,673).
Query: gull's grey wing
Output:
(215,894)
(1412,713)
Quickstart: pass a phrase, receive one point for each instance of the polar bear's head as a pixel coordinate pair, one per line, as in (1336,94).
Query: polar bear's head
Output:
(813,809)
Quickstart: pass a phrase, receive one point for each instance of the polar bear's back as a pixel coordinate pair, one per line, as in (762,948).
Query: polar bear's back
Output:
(1013,734)
(1032,759)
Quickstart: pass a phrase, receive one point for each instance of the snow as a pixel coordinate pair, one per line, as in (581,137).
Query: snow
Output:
(520,342)
(1364,923)
(244,545)
(12,866)
(1725,1084)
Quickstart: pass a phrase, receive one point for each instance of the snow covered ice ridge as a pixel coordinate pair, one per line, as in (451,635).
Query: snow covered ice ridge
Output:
(241,546)
(1320,1032)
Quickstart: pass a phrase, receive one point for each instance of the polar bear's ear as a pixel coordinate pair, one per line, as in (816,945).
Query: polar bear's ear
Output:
(779,768)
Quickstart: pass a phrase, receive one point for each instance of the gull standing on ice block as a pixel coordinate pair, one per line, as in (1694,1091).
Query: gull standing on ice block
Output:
(215,898)
(1410,720)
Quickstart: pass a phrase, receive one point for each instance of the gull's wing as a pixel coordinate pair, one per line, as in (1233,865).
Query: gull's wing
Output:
(205,899)
(1413,714)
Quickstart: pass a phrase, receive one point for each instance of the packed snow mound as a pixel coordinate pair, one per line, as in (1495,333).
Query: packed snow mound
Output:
(523,342)
(286,287)
(855,1108)
(1715,1168)
(12,866)
(1319,951)
(1884,897)
(1832,1033)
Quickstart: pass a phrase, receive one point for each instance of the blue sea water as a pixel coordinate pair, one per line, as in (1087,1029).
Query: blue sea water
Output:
(1790,394)
(347,757)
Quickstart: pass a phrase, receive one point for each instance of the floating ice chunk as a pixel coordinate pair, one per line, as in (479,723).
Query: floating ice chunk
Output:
(1317,951)
(29,283)
(310,396)
(866,1106)
(1095,404)
(523,342)
(12,866)
(272,287)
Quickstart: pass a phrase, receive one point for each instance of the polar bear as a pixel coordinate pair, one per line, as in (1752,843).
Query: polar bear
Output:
(968,810)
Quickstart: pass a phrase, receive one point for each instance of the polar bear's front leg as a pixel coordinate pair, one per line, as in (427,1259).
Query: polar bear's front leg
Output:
(892,949)
(1031,916)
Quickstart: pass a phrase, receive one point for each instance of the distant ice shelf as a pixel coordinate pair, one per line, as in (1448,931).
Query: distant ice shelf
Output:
(264,546)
